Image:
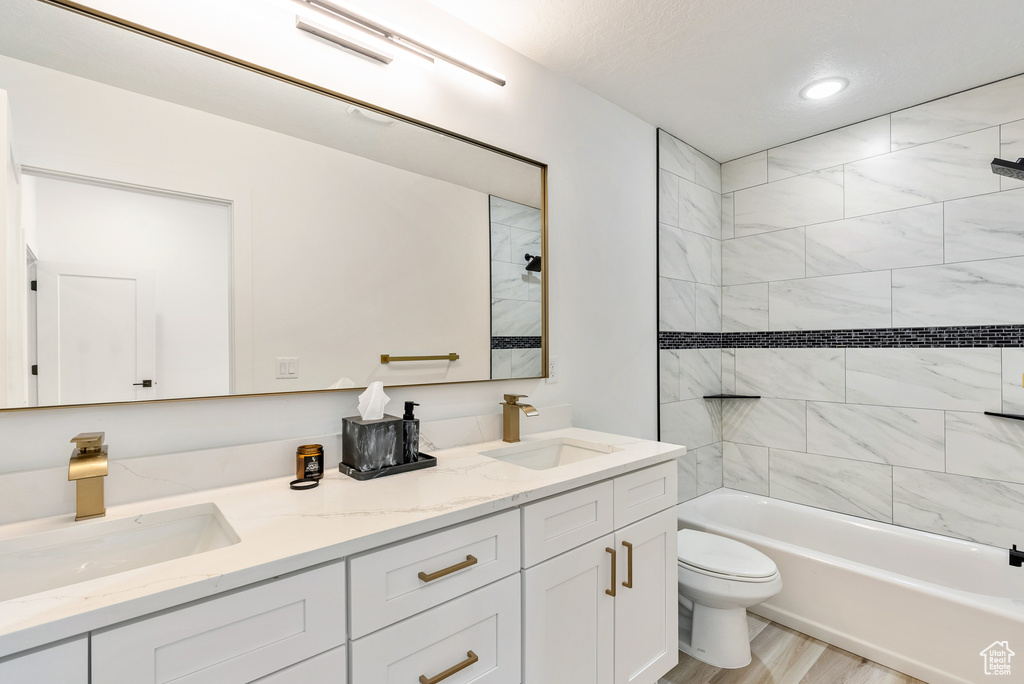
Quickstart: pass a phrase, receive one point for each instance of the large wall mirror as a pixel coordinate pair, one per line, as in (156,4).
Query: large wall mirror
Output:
(180,226)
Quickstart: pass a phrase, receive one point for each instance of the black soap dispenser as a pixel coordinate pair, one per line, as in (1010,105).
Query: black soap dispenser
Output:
(411,431)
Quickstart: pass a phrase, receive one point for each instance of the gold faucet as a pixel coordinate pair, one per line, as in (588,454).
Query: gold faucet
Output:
(87,468)
(510,416)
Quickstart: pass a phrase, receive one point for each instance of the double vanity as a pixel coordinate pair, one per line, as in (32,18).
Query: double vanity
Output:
(551,560)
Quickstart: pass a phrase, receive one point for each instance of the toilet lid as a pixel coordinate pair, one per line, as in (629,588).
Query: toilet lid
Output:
(723,556)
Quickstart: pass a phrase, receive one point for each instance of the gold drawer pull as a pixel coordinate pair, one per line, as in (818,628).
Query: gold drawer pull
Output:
(629,565)
(611,592)
(470,659)
(470,560)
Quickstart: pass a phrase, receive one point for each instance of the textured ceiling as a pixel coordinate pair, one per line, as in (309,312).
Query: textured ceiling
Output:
(725,75)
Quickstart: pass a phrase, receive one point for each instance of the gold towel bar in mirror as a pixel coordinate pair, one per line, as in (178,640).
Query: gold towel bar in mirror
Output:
(388,358)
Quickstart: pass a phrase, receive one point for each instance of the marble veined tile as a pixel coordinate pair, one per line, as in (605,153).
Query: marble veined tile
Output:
(966,293)
(1013,380)
(1011,146)
(699,372)
(985,227)
(509,281)
(668,375)
(668,198)
(836,484)
(860,300)
(761,258)
(985,446)
(959,379)
(526,363)
(709,308)
(798,201)
(745,172)
(984,511)
(964,112)
(745,467)
(514,214)
(685,255)
(692,423)
(708,172)
(935,172)
(745,307)
(728,217)
(728,371)
(678,305)
(675,156)
(514,317)
(700,209)
(524,242)
(843,145)
(778,423)
(501,242)
(812,374)
(709,468)
(501,364)
(686,474)
(880,434)
(892,239)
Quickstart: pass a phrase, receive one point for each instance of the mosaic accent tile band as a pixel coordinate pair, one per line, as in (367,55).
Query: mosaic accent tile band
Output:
(949,336)
(518,342)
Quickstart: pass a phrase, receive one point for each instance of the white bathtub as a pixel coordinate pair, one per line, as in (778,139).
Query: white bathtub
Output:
(920,603)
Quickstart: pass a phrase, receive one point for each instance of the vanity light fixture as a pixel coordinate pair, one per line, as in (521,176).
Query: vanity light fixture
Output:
(347,43)
(400,40)
(828,87)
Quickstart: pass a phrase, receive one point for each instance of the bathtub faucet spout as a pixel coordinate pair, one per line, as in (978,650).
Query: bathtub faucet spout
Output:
(1016,557)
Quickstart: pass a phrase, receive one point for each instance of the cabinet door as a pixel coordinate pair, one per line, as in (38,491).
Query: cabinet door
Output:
(326,668)
(568,619)
(646,626)
(67,663)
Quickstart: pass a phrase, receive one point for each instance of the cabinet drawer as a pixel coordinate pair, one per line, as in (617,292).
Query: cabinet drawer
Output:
(393,583)
(644,493)
(230,639)
(480,630)
(563,522)
(66,663)
(326,668)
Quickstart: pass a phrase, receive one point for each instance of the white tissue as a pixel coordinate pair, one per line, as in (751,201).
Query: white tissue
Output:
(372,402)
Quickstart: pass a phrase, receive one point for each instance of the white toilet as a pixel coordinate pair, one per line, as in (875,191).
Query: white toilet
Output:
(719,579)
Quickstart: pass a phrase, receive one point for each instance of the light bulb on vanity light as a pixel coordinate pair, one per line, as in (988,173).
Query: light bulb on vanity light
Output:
(827,87)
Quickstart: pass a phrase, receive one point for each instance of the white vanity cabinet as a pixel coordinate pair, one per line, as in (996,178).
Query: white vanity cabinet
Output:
(64,663)
(234,638)
(604,611)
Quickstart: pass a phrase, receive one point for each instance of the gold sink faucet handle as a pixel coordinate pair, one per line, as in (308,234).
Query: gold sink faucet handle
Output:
(87,468)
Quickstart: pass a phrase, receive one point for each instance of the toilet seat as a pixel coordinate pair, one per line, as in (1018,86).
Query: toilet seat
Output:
(715,556)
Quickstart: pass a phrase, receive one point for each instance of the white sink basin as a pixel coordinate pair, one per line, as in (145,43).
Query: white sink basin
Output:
(85,551)
(549,453)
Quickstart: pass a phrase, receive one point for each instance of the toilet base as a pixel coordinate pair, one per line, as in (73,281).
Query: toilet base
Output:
(717,636)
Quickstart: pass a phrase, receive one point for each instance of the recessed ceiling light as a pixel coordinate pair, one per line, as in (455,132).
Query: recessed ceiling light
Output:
(828,87)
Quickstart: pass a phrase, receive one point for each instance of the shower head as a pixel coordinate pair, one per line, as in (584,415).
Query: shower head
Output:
(1009,169)
(533,263)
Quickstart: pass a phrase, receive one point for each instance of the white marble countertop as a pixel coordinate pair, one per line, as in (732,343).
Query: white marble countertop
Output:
(282,530)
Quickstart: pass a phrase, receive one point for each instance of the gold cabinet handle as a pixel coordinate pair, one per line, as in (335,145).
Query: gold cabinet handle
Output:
(470,560)
(611,592)
(470,659)
(629,565)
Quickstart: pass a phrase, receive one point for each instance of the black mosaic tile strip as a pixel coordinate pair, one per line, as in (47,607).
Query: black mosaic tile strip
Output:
(950,336)
(516,342)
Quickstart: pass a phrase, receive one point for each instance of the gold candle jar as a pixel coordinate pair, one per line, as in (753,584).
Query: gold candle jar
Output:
(309,462)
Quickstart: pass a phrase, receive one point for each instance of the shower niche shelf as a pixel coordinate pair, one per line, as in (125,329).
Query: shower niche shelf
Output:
(732,396)
(1014,416)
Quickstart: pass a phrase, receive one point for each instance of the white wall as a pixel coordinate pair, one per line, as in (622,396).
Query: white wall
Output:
(601,246)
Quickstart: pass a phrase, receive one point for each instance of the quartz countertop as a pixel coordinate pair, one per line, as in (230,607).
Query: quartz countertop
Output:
(283,530)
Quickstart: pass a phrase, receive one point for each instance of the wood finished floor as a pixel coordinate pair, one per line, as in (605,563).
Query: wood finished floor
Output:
(780,655)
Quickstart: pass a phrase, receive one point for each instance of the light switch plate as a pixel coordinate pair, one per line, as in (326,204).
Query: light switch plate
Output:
(287,368)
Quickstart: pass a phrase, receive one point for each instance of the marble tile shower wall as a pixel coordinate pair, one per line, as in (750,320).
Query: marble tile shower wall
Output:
(690,295)
(893,222)
(515,292)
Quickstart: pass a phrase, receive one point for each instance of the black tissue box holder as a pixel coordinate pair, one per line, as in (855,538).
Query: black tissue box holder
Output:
(368,445)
